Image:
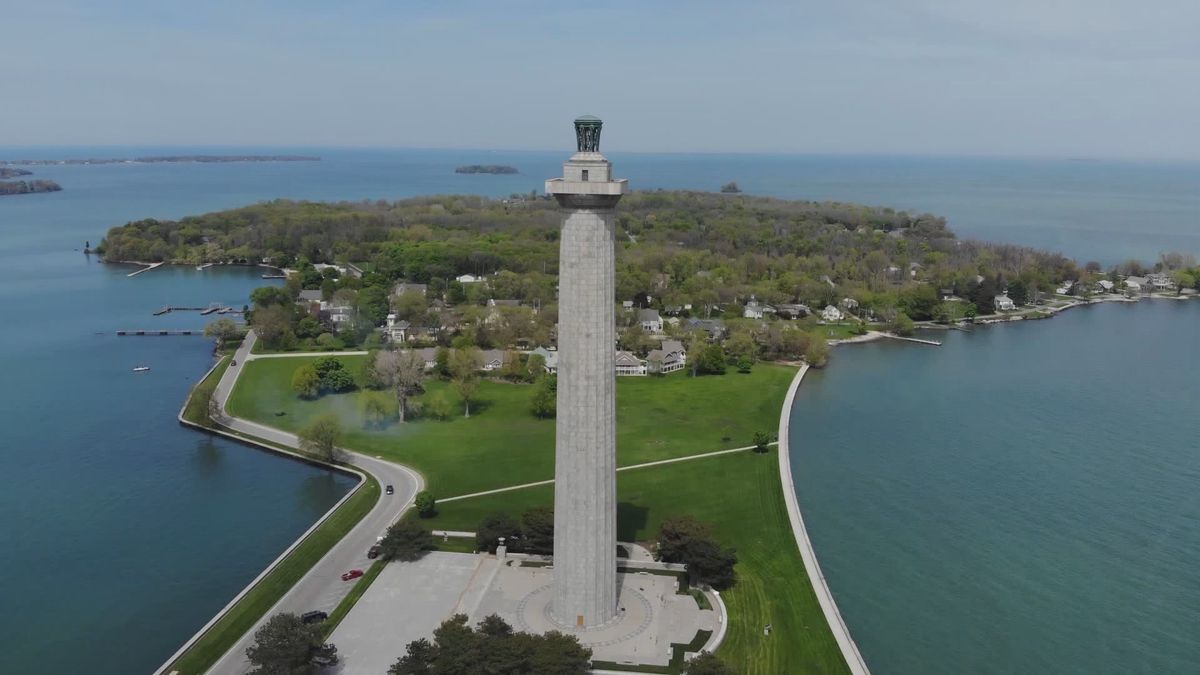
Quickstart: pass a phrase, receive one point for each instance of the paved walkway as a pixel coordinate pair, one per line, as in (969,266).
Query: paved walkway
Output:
(828,605)
(321,588)
(685,458)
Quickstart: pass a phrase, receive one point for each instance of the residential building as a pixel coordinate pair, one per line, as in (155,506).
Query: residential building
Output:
(1105,285)
(831,313)
(627,363)
(849,304)
(493,359)
(468,279)
(1065,287)
(1161,282)
(792,311)
(395,330)
(715,328)
(1004,303)
(650,320)
(753,310)
(1136,284)
(549,358)
(668,358)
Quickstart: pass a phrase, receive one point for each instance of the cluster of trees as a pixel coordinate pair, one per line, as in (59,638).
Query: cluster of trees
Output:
(684,539)
(406,540)
(534,533)
(321,436)
(22,187)
(327,375)
(493,647)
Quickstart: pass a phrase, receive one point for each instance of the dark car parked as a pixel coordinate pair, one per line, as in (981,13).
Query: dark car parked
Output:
(390,490)
(315,616)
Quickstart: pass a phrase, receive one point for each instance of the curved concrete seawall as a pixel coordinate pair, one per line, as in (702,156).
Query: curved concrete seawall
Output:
(832,616)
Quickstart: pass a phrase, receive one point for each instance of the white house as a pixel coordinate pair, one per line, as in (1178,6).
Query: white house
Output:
(753,310)
(1105,285)
(1136,284)
(849,304)
(668,358)
(1065,287)
(468,279)
(1161,282)
(395,330)
(831,313)
(650,320)
(1004,303)
(628,363)
(549,358)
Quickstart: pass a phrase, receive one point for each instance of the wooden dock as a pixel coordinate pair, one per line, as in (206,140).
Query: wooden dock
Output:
(152,266)
(932,343)
(204,311)
(161,332)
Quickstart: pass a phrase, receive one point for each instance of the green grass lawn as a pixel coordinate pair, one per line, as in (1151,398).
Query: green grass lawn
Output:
(741,496)
(502,444)
(194,411)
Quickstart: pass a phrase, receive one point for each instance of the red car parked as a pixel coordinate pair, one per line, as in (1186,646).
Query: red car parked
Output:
(352,574)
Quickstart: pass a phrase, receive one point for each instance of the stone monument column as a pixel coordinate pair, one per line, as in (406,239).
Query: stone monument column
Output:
(585,456)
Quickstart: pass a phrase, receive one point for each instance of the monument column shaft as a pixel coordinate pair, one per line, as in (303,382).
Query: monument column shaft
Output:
(585,491)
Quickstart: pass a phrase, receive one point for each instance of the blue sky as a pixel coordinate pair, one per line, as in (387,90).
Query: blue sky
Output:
(1068,78)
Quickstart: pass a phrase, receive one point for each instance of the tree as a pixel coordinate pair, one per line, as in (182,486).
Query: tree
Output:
(487,535)
(731,188)
(537,530)
(710,360)
(333,375)
(306,382)
(376,409)
(405,541)
(684,539)
(223,330)
(901,324)
(761,440)
(273,324)
(439,406)
(307,328)
(442,363)
(458,649)
(465,364)
(426,504)
(817,352)
(402,372)
(1018,292)
(745,364)
(285,644)
(267,296)
(544,402)
(513,370)
(372,303)
(321,436)
(706,663)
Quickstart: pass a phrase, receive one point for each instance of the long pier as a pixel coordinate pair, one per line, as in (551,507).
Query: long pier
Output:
(933,343)
(198,331)
(204,311)
(151,266)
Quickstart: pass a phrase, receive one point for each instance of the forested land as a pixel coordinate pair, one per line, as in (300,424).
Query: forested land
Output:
(679,248)
(24,187)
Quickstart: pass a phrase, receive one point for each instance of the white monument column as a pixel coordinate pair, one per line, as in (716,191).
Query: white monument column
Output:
(585,457)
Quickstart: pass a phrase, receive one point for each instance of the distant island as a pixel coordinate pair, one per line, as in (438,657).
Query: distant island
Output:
(13,173)
(24,187)
(166,159)
(486,168)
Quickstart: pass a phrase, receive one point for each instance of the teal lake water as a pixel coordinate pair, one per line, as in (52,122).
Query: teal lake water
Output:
(1021,499)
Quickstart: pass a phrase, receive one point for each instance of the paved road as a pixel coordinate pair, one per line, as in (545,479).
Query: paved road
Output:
(322,588)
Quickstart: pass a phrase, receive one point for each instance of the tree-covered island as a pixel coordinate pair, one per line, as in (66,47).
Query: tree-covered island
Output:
(487,168)
(13,173)
(24,187)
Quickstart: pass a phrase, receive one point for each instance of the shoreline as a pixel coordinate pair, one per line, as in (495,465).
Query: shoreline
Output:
(833,617)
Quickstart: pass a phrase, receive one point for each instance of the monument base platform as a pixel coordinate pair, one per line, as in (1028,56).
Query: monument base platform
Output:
(653,620)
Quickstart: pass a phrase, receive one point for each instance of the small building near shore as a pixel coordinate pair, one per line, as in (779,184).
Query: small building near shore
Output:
(1004,303)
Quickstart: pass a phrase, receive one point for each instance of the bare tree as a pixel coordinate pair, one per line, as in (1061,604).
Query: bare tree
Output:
(400,371)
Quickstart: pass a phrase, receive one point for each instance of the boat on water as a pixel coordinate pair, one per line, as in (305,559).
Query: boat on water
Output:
(140,369)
